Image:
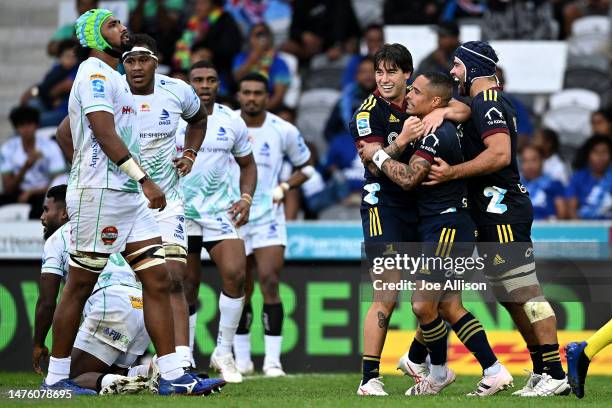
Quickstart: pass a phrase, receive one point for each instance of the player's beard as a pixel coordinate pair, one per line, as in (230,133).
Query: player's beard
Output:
(126,44)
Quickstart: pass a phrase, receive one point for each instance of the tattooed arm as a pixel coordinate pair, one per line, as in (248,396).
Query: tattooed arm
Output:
(407,176)
(394,150)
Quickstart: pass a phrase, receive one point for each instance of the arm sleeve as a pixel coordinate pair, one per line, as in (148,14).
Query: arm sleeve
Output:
(489,115)
(53,256)
(190,103)
(242,145)
(366,125)
(95,92)
(295,148)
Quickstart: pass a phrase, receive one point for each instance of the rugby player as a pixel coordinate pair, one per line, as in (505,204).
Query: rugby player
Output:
(446,229)
(502,211)
(265,236)
(388,213)
(216,206)
(107,212)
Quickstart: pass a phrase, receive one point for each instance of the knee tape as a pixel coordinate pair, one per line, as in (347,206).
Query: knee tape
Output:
(146,257)
(90,263)
(175,252)
(538,309)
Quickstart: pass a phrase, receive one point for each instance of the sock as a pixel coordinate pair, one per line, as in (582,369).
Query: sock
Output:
(600,339)
(184,355)
(435,334)
(272,316)
(99,383)
(536,358)
(59,369)
(244,326)
(551,361)
(417,352)
(273,350)
(439,372)
(170,366)
(230,310)
(107,379)
(472,335)
(142,370)
(193,318)
(493,370)
(242,347)
(370,368)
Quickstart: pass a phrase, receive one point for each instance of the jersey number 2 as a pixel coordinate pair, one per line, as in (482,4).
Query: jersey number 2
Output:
(495,206)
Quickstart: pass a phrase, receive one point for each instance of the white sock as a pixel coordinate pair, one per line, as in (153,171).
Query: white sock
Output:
(439,372)
(192,326)
(242,347)
(184,355)
(107,379)
(230,311)
(139,370)
(170,366)
(59,369)
(273,349)
(493,370)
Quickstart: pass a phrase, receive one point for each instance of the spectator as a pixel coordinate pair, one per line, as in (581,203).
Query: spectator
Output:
(519,20)
(66,31)
(161,19)
(523,121)
(276,14)
(328,26)
(374,38)
(287,113)
(28,163)
(547,194)
(261,57)
(580,8)
(589,192)
(441,59)
(455,9)
(412,12)
(212,27)
(547,141)
(601,122)
(51,95)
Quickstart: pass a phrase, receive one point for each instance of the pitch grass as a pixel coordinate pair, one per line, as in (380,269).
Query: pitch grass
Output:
(311,390)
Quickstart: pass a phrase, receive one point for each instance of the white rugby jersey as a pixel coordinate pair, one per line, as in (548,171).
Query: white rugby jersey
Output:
(158,119)
(211,186)
(55,261)
(99,87)
(273,141)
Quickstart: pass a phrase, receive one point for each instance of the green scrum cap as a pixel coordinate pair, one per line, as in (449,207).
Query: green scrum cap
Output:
(88,29)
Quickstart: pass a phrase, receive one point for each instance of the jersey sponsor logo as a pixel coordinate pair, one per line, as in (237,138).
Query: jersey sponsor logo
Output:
(116,336)
(126,110)
(371,188)
(164,82)
(222,135)
(95,152)
(272,231)
(179,232)
(109,235)
(435,142)
(393,119)
(145,107)
(265,150)
(136,302)
(391,137)
(164,118)
(97,86)
(363,123)
(490,117)
(225,227)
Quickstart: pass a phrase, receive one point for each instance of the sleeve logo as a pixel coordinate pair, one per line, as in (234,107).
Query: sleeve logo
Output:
(97,86)
(363,123)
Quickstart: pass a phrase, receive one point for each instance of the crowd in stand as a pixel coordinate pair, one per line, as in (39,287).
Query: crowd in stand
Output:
(305,46)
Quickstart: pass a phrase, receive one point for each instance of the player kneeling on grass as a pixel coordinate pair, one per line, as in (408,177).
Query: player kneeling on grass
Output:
(112,335)
(443,218)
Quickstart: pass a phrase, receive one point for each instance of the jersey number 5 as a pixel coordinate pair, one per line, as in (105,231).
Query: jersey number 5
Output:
(495,206)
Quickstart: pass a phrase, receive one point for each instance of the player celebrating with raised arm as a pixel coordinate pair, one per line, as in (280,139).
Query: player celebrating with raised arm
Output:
(443,218)
(265,236)
(161,101)
(215,210)
(107,212)
(388,213)
(503,213)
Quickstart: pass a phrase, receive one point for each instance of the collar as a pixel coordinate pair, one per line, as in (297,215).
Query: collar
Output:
(401,109)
